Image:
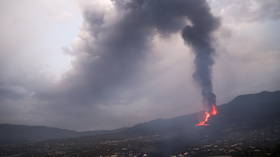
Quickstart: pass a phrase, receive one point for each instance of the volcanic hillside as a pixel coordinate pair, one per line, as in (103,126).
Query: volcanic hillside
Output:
(249,124)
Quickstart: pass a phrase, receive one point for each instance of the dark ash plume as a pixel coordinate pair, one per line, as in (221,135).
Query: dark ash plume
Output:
(169,16)
(199,37)
(119,47)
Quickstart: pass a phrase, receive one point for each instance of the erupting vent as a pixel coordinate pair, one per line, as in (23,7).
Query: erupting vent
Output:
(207,115)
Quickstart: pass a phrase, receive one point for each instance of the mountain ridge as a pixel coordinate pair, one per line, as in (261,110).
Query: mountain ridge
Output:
(254,103)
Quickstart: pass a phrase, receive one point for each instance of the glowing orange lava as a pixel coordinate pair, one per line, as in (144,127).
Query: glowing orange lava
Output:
(214,110)
(207,115)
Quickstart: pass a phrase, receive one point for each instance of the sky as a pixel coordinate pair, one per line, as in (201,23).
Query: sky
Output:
(101,64)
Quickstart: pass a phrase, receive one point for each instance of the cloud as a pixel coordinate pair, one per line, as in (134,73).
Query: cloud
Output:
(115,50)
(243,11)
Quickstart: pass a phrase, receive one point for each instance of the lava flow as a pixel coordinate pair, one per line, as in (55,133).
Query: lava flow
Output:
(207,115)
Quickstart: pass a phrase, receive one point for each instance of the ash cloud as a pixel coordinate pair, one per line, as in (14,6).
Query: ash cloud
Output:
(113,50)
(117,49)
(114,81)
(199,37)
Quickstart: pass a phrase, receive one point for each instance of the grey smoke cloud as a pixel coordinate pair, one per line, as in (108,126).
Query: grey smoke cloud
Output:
(199,37)
(120,48)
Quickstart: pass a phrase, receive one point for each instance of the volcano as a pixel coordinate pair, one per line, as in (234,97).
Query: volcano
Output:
(207,115)
(249,124)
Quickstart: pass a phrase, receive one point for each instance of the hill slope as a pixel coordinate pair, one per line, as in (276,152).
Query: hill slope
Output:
(252,110)
(247,122)
(10,134)
(20,134)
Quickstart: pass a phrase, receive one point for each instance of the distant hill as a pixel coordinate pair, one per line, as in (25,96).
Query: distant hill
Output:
(252,119)
(19,134)
(10,134)
(250,111)
(241,116)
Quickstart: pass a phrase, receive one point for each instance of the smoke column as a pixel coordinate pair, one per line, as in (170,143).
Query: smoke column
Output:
(199,37)
(170,16)
(118,46)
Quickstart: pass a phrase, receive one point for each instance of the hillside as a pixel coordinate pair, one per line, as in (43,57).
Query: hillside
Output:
(252,110)
(10,134)
(20,134)
(249,124)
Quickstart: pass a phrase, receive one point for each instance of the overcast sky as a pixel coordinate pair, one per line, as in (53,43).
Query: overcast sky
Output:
(87,64)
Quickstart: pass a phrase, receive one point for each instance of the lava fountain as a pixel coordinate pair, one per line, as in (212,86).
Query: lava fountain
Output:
(207,115)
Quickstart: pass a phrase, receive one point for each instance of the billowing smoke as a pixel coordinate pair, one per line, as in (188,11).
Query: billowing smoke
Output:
(198,35)
(118,45)
(197,23)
